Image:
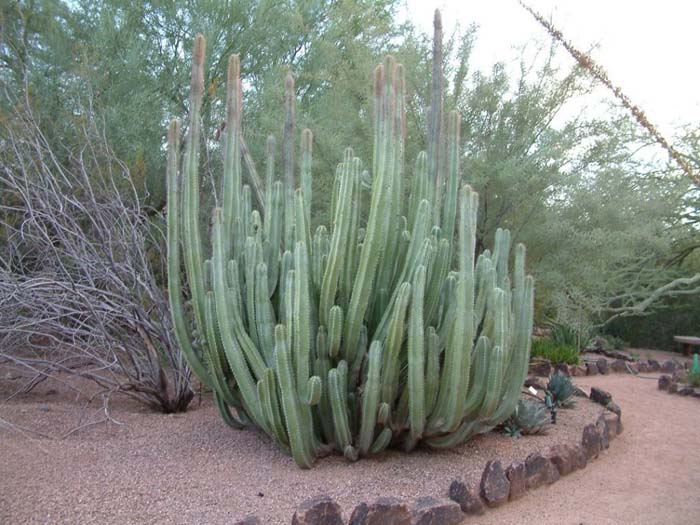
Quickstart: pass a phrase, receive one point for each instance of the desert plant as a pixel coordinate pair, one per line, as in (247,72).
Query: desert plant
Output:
(79,266)
(530,417)
(560,388)
(357,337)
(554,352)
(694,373)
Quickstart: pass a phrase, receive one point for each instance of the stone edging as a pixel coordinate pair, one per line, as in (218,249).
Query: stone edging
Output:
(601,365)
(497,486)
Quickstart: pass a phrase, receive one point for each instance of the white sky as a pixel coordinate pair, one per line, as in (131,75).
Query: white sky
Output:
(649,48)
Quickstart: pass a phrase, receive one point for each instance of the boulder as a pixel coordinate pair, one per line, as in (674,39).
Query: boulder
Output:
(517,475)
(579,393)
(579,457)
(614,408)
(686,391)
(467,497)
(591,369)
(540,367)
(664,382)
(321,510)
(643,367)
(562,368)
(600,396)
(495,486)
(633,368)
(540,471)
(384,511)
(653,365)
(604,431)
(434,511)
(618,365)
(534,382)
(590,441)
(613,423)
(577,370)
(603,366)
(563,457)
(669,366)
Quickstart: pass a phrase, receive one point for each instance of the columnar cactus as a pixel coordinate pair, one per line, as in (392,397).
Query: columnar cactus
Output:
(359,337)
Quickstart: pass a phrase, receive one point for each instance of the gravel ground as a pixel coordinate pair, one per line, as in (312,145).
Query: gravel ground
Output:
(191,468)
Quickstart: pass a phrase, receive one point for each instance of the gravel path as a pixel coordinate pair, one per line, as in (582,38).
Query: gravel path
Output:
(190,468)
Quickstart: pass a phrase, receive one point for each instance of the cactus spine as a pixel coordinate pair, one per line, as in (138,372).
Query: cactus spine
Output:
(358,337)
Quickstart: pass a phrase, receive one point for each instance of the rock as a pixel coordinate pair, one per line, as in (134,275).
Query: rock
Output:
(679,376)
(591,369)
(517,475)
(613,423)
(664,382)
(590,441)
(534,382)
(604,431)
(321,510)
(579,393)
(540,471)
(562,368)
(669,366)
(468,498)
(433,511)
(540,367)
(603,366)
(618,365)
(384,511)
(633,368)
(577,370)
(614,408)
(643,367)
(248,520)
(600,396)
(579,457)
(563,457)
(653,365)
(686,391)
(672,387)
(495,486)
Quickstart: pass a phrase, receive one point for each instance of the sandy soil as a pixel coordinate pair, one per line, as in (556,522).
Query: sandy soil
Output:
(190,468)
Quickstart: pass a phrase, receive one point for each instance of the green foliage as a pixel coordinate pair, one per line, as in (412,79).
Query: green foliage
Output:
(530,417)
(694,373)
(342,340)
(564,334)
(554,352)
(561,389)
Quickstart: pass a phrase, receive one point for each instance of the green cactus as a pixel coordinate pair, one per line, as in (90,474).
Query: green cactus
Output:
(363,335)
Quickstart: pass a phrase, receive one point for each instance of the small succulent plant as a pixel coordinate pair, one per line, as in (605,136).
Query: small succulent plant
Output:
(560,388)
(530,417)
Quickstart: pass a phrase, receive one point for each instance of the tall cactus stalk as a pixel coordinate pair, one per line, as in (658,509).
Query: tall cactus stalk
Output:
(363,335)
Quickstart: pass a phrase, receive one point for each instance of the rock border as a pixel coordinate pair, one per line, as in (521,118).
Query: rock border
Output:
(675,384)
(591,367)
(497,487)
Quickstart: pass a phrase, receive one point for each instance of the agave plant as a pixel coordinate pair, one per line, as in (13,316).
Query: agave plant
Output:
(529,417)
(360,336)
(560,388)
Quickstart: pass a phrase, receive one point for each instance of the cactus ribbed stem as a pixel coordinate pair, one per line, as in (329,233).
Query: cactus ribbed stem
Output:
(282,320)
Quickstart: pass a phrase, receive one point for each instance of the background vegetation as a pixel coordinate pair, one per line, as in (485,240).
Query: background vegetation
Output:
(606,218)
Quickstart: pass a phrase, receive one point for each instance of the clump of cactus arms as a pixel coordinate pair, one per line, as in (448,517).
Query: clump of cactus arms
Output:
(363,335)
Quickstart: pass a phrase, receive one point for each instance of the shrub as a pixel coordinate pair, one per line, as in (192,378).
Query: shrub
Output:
(555,352)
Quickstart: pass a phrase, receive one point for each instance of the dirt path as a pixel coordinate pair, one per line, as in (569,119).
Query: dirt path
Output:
(190,468)
(650,475)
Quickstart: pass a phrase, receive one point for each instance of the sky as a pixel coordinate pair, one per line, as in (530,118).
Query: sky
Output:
(649,48)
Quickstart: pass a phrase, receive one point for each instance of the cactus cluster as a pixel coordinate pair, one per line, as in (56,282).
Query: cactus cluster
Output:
(360,336)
